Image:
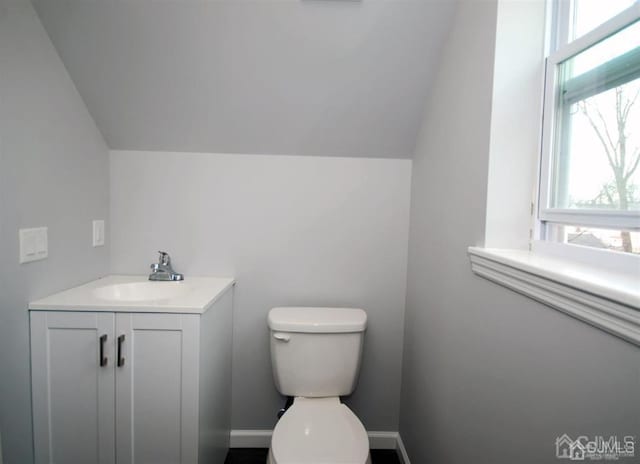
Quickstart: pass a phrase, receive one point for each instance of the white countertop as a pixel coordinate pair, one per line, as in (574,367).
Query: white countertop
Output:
(118,293)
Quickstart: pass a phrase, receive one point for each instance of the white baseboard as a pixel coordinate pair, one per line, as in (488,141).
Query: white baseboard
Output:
(250,438)
(383,440)
(402,451)
(262,439)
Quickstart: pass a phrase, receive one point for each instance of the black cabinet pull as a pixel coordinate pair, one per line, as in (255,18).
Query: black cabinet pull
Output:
(103,358)
(120,357)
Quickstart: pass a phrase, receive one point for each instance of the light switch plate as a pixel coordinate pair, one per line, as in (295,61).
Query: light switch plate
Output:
(34,244)
(98,233)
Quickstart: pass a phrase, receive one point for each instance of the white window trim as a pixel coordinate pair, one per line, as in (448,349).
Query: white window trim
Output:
(607,299)
(601,288)
(592,218)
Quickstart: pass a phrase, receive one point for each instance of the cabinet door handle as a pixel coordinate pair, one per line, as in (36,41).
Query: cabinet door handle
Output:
(120,357)
(103,358)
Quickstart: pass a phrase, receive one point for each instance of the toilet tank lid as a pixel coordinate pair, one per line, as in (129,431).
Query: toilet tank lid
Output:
(317,320)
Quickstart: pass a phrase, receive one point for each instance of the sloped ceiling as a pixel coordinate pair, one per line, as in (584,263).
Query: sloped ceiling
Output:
(307,77)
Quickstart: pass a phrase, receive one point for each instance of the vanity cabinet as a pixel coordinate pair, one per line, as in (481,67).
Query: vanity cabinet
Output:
(130,387)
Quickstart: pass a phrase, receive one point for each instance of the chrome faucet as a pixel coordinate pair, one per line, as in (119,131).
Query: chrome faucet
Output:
(162,270)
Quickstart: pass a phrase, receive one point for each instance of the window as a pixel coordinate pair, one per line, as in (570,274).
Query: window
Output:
(591,69)
(590,172)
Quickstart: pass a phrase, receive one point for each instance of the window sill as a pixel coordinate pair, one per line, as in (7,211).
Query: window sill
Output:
(605,299)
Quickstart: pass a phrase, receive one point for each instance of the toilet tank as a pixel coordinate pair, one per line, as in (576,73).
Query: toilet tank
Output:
(316,352)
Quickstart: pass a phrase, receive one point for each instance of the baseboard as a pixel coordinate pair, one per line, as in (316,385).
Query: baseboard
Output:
(402,451)
(250,438)
(383,440)
(262,439)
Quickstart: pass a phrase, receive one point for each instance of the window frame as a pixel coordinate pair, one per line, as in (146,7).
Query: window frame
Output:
(561,50)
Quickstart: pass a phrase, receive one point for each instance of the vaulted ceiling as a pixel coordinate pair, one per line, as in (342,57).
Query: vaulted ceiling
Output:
(308,77)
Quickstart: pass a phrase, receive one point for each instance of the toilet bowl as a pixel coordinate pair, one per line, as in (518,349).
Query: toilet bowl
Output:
(319,431)
(315,356)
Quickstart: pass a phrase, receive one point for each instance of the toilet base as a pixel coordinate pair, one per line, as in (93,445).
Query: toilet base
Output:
(271,461)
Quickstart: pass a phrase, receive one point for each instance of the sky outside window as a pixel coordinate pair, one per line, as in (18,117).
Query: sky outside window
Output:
(589,14)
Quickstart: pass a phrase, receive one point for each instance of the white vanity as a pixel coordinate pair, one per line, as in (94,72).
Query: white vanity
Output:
(130,371)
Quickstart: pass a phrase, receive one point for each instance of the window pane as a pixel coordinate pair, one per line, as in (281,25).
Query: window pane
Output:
(597,146)
(616,240)
(589,14)
(599,166)
(618,44)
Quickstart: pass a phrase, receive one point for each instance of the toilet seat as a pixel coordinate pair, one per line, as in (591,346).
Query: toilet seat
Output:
(319,431)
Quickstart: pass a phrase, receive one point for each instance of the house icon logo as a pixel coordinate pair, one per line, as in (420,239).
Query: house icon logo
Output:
(567,448)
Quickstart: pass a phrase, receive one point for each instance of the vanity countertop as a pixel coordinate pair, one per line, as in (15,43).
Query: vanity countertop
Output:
(119,293)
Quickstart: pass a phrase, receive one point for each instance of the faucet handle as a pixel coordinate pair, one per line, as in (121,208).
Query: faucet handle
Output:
(164,258)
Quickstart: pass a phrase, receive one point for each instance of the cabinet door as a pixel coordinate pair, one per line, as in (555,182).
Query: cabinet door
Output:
(157,389)
(72,393)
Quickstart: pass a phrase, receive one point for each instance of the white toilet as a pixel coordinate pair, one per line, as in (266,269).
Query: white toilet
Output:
(315,355)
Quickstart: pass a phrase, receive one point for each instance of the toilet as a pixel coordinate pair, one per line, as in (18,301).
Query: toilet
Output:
(315,356)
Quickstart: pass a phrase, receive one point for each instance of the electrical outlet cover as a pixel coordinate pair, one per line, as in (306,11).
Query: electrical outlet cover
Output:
(34,244)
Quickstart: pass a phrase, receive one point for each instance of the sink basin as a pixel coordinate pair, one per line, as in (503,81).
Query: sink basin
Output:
(141,291)
(131,293)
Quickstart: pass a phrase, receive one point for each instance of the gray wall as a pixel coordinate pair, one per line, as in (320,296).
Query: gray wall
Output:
(489,376)
(292,230)
(53,172)
(298,77)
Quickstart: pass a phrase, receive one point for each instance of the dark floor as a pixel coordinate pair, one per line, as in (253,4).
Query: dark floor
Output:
(259,456)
